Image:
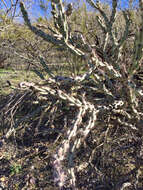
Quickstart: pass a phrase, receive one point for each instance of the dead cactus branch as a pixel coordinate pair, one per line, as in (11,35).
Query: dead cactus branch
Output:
(106,100)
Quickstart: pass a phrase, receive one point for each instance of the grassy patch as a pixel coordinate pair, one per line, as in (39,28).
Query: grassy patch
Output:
(15,77)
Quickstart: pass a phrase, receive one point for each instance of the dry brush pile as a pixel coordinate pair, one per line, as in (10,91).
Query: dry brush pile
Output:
(98,116)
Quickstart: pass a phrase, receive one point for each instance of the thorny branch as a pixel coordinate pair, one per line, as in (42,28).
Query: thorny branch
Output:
(119,103)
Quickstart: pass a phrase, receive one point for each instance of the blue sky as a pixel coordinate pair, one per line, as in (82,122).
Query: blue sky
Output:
(35,11)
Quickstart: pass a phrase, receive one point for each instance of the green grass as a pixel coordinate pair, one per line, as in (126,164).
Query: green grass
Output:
(15,77)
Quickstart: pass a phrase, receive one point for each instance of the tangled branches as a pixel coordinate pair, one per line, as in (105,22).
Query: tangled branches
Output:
(108,112)
(91,116)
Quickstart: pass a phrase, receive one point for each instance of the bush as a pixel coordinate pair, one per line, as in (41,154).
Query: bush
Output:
(99,114)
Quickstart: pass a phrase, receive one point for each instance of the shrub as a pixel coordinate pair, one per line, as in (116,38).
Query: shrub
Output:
(104,135)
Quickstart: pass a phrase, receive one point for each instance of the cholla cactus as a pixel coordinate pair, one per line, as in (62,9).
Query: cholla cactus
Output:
(69,9)
(111,79)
